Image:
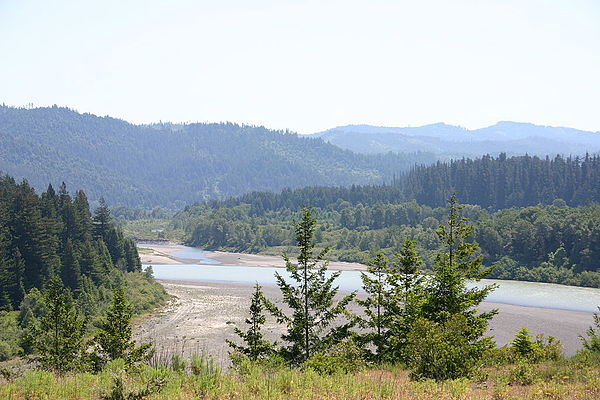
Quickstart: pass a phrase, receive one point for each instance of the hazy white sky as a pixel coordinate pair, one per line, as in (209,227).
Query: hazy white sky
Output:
(307,65)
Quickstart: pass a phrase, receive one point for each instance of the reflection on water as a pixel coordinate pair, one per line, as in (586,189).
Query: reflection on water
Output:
(531,294)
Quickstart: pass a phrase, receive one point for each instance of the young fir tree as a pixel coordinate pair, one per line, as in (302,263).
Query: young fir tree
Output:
(310,299)
(101,220)
(376,316)
(58,339)
(447,291)
(114,339)
(256,347)
(523,344)
(405,300)
(449,310)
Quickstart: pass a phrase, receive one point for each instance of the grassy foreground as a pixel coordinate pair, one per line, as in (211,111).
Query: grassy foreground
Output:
(578,378)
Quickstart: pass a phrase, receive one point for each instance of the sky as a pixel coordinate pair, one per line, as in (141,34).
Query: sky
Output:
(307,65)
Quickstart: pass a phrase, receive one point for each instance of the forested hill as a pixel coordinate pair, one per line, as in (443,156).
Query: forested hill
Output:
(449,141)
(493,183)
(171,165)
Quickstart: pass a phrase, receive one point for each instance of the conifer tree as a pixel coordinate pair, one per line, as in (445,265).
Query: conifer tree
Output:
(375,306)
(592,342)
(447,291)
(70,272)
(311,299)
(447,342)
(256,347)
(58,339)
(101,219)
(395,294)
(405,299)
(114,339)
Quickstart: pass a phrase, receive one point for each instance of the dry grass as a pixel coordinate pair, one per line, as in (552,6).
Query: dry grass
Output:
(558,380)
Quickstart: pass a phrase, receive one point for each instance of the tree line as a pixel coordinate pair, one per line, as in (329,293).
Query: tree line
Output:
(491,183)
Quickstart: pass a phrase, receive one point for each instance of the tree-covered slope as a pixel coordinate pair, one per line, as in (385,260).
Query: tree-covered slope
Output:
(171,165)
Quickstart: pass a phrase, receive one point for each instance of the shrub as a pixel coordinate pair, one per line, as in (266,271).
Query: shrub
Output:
(523,374)
(178,364)
(592,343)
(346,357)
(442,352)
(550,348)
(6,352)
(523,345)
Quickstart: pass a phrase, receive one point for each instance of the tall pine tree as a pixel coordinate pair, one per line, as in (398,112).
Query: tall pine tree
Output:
(311,299)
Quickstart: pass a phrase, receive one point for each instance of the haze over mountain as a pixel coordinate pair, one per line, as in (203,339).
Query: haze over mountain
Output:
(175,164)
(449,141)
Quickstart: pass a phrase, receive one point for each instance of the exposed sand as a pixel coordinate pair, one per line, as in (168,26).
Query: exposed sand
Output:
(159,255)
(259,260)
(163,255)
(202,315)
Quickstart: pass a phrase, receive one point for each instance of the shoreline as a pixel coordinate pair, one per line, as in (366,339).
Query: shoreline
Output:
(202,316)
(163,255)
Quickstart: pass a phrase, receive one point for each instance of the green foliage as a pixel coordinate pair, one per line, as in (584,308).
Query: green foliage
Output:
(10,335)
(447,292)
(448,342)
(442,351)
(524,345)
(114,338)
(120,392)
(202,365)
(255,348)
(311,300)
(522,374)
(178,363)
(344,358)
(59,339)
(592,341)
(395,295)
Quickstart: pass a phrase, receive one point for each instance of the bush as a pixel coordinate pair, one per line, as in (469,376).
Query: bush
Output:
(550,348)
(346,357)
(6,351)
(178,364)
(524,346)
(541,349)
(523,374)
(592,343)
(442,352)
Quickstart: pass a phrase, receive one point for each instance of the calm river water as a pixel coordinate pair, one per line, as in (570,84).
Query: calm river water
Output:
(532,294)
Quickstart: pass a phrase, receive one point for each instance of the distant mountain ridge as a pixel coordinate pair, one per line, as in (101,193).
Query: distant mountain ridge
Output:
(448,141)
(172,165)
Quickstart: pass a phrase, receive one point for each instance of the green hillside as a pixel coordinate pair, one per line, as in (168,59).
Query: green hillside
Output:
(171,165)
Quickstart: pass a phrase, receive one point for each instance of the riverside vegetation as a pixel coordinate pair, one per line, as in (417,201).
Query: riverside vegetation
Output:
(536,219)
(419,337)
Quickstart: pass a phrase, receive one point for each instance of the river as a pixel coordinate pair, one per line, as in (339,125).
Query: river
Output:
(530,294)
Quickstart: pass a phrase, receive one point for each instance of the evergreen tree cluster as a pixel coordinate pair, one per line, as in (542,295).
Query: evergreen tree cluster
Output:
(431,324)
(55,235)
(502,182)
(491,183)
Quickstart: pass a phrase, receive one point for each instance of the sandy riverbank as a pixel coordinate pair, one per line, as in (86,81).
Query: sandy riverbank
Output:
(164,255)
(203,314)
